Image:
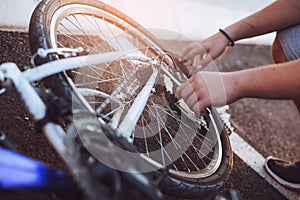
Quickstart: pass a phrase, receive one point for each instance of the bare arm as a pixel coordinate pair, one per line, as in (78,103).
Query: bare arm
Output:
(276,81)
(277,16)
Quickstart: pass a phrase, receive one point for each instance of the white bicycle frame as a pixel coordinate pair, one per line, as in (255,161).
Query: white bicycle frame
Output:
(55,134)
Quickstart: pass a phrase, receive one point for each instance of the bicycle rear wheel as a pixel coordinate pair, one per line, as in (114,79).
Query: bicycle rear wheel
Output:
(203,158)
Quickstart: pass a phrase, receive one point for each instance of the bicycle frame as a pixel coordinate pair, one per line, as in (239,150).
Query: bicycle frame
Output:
(11,75)
(55,134)
(29,173)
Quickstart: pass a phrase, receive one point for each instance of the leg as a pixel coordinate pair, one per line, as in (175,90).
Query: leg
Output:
(279,57)
(297,103)
(277,52)
(286,47)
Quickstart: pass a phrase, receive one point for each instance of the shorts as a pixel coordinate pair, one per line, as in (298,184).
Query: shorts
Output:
(290,42)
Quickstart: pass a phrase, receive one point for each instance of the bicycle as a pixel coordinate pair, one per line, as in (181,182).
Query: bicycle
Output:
(112,101)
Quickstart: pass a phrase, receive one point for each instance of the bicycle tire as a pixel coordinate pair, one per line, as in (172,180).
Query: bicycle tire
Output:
(40,37)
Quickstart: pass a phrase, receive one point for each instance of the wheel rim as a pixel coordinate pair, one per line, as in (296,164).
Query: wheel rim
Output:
(160,106)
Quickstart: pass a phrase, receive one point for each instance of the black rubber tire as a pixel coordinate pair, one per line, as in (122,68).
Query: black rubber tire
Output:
(179,186)
(200,188)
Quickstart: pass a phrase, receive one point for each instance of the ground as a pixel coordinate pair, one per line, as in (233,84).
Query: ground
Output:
(270,126)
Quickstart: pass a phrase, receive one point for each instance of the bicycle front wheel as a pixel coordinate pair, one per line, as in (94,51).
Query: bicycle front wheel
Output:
(164,126)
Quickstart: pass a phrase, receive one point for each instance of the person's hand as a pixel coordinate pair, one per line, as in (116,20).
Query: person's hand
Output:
(208,50)
(206,89)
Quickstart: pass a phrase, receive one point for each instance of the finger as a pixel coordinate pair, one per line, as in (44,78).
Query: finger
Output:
(178,92)
(179,89)
(199,109)
(187,91)
(189,48)
(192,99)
(185,61)
(199,68)
(206,60)
(192,53)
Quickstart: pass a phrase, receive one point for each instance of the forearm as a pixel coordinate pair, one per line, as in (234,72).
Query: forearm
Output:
(277,16)
(277,81)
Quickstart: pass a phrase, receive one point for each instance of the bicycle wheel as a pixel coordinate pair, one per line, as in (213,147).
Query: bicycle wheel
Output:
(203,157)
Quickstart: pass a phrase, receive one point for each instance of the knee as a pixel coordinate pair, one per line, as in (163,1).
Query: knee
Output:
(277,52)
(297,103)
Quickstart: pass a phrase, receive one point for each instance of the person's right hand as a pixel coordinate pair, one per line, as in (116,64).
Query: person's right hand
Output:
(206,89)
(208,50)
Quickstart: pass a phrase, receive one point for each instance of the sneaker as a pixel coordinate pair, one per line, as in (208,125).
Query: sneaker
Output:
(285,173)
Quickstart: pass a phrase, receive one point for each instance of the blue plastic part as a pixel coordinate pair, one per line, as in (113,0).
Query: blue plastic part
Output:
(19,171)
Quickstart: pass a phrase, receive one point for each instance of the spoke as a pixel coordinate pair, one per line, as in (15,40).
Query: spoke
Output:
(163,152)
(110,81)
(161,145)
(174,166)
(160,141)
(165,128)
(103,71)
(101,31)
(175,117)
(177,120)
(128,124)
(81,28)
(75,37)
(118,108)
(116,117)
(201,155)
(189,170)
(117,90)
(188,157)
(145,138)
(95,82)
(162,149)
(174,142)
(114,38)
(126,70)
